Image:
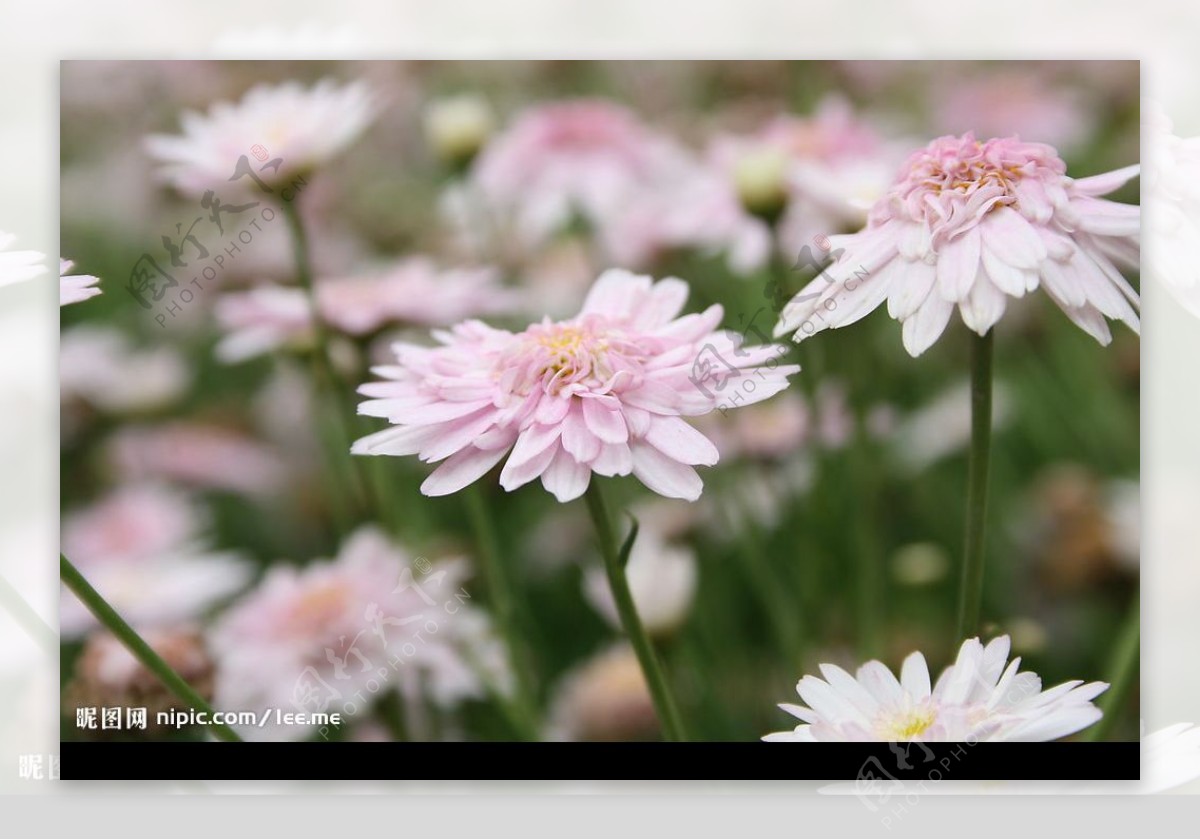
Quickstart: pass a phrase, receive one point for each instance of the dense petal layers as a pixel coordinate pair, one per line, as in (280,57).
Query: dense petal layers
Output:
(981,697)
(604,392)
(970,225)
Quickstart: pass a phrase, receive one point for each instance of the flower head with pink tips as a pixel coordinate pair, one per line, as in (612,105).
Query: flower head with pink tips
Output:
(604,392)
(971,224)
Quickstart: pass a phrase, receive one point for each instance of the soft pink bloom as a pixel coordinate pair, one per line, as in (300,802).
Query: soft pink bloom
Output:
(140,548)
(606,391)
(74,288)
(581,157)
(262,319)
(781,427)
(199,454)
(100,366)
(16,266)
(414,291)
(972,223)
(411,292)
(361,624)
(1019,103)
(300,127)
(831,167)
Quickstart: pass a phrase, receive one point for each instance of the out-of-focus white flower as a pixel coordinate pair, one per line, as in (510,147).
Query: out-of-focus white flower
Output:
(944,426)
(100,366)
(457,127)
(198,454)
(299,127)
(139,548)
(605,699)
(1171,195)
(345,631)
(981,697)
(262,319)
(16,266)
(73,288)
(1123,504)
(662,581)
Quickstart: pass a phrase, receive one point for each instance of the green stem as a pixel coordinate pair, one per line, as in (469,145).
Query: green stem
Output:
(1122,671)
(500,589)
(137,645)
(971,594)
(771,589)
(664,703)
(326,374)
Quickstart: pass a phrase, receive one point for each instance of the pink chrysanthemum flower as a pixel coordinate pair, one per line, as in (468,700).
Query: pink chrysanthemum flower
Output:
(970,224)
(604,392)
(74,288)
(981,697)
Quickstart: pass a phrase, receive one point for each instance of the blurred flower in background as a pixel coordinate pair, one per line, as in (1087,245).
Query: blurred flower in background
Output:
(299,128)
(605,699)
(662,580)
(141,548)
(360,624)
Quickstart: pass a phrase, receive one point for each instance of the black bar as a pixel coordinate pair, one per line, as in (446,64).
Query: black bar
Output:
(344,760)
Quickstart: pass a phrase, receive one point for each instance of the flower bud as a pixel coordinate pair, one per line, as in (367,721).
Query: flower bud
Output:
(457,128)
(760,178)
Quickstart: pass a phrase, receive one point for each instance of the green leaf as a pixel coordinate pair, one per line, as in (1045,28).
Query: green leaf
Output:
(627,546)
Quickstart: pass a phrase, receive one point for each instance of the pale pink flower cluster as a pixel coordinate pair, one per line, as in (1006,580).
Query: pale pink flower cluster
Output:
(830,168)
(101,367)
(140,547)
(969,224)
(981,697)
(606,391)
(411,292)
(339,634)
(576,158)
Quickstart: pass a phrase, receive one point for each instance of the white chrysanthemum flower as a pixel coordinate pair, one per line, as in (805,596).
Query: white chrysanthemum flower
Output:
(16,266)
(283,131)
(981,697)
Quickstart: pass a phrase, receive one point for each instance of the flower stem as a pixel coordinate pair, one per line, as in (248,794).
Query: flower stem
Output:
(1122,671)
(971,594)
(500,590)
(664,702)
(137,645)
(326,374)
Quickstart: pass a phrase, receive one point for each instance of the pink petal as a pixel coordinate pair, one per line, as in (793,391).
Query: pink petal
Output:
(459,470)
(663,475)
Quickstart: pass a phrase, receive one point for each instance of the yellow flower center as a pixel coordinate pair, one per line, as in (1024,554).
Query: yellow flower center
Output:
(908,725)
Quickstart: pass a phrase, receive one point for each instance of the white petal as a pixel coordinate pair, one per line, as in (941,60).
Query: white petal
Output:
(678,440)
(958,265)
(459,470)
(926,325)
(565,477)
(663,475)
